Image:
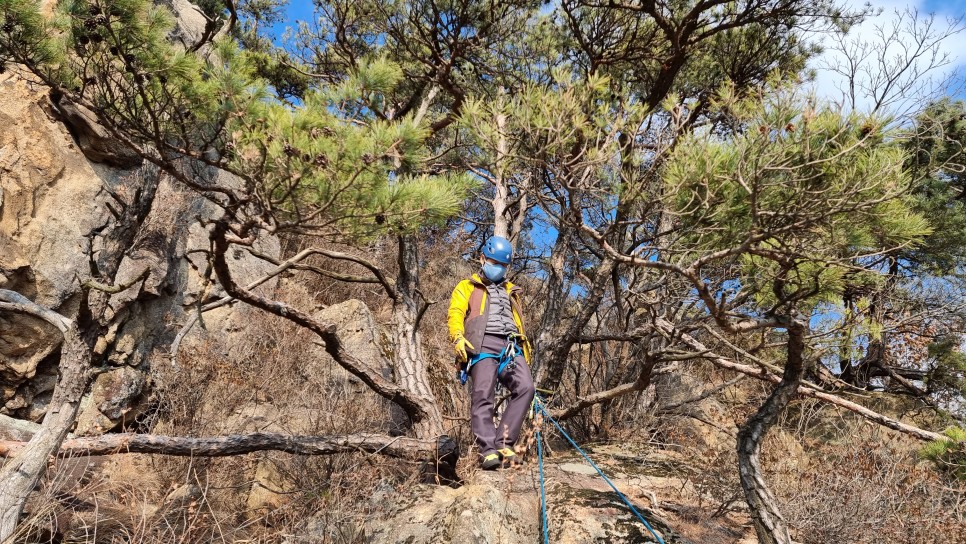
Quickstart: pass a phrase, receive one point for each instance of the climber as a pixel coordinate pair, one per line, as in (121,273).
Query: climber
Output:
(486,328)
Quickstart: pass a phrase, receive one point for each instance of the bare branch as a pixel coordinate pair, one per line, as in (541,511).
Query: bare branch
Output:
(12,301)
(807,391)
(114,289)
(223,446)
(644,379)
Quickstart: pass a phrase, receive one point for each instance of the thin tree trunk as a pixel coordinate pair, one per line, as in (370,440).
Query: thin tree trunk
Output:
(769,523)
(21,473)
(554,300)
(501,196)
(557,350)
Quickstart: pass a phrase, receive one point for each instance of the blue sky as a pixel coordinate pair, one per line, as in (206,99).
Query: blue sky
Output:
(830,85)
(943,6)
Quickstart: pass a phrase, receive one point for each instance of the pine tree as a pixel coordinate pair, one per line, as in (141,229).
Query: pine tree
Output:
(701,207)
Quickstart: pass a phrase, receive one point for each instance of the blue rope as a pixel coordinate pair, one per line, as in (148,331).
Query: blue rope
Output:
(539,405)
(543,492)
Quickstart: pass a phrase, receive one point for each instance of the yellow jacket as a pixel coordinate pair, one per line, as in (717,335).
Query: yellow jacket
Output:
(469,309)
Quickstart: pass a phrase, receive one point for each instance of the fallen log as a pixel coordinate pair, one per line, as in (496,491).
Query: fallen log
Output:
(223,446)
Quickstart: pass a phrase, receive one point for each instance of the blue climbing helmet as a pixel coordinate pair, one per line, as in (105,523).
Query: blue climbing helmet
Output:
(499,249)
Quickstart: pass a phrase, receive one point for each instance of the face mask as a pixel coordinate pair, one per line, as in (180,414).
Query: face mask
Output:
(494,272)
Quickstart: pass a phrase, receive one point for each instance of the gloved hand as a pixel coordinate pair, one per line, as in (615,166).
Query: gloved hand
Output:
(460,345)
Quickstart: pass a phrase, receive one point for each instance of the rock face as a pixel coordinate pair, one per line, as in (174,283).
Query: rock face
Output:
(50,199)
(359,335)
(191,21)
(17,429)
(112,396)
(490,511)
(58,226)
(94,140)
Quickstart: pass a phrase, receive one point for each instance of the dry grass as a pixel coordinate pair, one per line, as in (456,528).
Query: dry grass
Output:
(867,485)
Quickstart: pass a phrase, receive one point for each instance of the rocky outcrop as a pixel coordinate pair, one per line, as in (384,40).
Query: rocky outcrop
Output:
(492,510)
(360,336)
(505,506)
(51,199)
(111,398)
(62,220)
(192,23)
(17,429)
(92,138)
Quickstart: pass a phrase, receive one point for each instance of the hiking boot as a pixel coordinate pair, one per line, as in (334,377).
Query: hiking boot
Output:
(490,462)
(509,457)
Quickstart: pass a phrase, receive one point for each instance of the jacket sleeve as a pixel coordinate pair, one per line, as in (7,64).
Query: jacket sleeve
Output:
(458,305)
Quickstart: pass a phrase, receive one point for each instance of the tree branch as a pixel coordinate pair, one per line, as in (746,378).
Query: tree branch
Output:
(114,289)
(807,391)
(378,276)
(414,405)
(224,446)
(583,403)
(12,301)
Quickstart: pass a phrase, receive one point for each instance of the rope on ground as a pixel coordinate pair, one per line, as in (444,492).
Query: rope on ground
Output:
(538,405)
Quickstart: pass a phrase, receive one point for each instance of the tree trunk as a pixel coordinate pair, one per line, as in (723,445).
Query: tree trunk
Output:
(21,473)
(557,350)
(410,362)
(554,300)
(501,194)
(769,523)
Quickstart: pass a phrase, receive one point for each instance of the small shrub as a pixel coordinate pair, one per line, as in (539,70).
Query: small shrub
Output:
(949,456)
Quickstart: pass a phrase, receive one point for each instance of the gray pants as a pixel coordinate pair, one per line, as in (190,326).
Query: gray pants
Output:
(516,378)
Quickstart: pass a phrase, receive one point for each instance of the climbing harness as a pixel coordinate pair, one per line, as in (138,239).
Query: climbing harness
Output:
(506,359)
(539,406)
